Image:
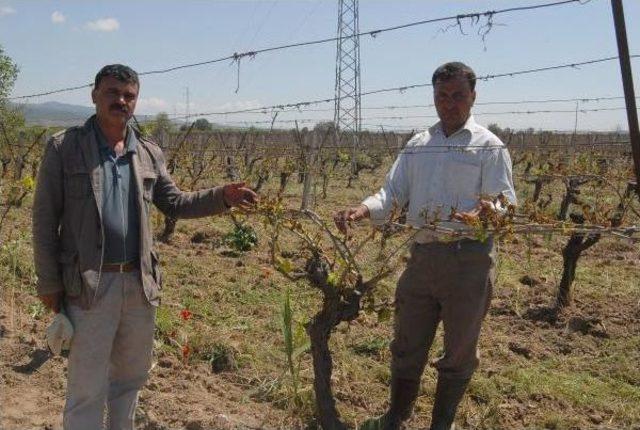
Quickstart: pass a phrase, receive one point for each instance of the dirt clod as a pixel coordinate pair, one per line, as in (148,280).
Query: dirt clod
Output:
(530,281)
(520,350)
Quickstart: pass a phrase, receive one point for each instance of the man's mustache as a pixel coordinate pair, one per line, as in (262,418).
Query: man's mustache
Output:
(119,108)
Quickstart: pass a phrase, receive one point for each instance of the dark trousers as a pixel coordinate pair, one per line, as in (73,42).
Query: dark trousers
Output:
(449,282)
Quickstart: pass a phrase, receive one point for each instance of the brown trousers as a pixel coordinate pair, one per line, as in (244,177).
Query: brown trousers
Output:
(449,282)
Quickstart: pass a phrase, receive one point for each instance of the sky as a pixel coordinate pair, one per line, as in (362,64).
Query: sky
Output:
(59,44)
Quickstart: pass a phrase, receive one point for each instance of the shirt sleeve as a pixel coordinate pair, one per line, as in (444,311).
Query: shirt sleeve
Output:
(394,193)
(497,174)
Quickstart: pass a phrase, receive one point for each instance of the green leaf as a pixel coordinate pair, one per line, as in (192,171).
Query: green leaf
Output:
(333,278)
(284,265)
(287,316)
(28,183)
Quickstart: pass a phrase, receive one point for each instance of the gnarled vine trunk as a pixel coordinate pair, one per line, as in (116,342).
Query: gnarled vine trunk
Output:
(577,244)
(336,308)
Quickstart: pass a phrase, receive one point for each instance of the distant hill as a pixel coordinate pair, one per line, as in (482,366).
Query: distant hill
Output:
(59,114)
(55,114)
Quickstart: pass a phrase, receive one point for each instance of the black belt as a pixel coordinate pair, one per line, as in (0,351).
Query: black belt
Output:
(121,268)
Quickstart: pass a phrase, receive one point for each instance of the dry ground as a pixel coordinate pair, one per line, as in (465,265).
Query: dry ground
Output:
(579,371)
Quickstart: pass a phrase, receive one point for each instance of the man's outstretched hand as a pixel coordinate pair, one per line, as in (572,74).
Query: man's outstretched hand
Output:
(343,218)
(237,194)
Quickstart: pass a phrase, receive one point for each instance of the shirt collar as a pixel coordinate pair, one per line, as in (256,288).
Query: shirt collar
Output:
(470,125)
(131,141)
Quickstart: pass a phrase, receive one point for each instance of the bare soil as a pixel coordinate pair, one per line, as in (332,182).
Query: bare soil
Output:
(579,369)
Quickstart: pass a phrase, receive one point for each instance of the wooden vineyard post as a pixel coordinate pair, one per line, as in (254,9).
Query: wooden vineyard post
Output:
(627,83)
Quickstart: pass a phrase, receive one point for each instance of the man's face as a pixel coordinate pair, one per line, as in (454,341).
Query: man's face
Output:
(115,100)
(453,99)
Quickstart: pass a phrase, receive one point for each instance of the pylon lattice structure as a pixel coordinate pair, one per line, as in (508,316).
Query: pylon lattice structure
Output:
(347,116)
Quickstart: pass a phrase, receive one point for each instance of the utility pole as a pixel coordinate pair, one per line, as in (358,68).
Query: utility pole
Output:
(575,126)
(627,83)
(187,105)
(347,115)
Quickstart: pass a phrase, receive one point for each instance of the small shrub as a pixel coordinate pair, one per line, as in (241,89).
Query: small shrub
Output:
(371,347)
(242,238)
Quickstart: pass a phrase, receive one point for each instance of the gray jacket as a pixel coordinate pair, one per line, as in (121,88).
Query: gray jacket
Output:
(67,223)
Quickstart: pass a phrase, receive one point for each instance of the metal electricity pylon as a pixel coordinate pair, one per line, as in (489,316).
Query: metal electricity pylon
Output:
(347,116)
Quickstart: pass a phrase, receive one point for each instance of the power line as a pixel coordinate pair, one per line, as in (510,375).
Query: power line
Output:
(249,123)
(513,112)
(402,117)
(401,89)
(301,106)
(527,112)
(431,105)
(237,56)
(290,36)
(502,102)
(264,20)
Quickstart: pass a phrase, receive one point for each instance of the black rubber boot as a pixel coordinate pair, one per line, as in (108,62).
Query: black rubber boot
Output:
(449,392)
(403,397)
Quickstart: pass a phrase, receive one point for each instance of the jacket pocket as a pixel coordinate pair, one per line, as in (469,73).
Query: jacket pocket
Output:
(71,278)
(155,269)
(148,182)
(78,184)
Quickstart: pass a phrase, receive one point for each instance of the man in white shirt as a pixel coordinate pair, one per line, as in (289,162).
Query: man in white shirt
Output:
(454,164)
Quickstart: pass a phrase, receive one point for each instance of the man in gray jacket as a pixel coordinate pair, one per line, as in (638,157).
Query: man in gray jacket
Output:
(93,247)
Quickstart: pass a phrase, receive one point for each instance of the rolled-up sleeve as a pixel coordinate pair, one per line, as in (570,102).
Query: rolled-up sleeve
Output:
(497,174)
(394,193)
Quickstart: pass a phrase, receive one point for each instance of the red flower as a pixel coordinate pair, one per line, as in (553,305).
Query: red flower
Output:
(185,314)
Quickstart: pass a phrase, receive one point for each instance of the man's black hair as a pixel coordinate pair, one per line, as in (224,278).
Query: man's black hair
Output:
(120,72)
(454,69)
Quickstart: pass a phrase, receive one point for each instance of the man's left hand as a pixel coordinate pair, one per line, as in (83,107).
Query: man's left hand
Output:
(474,214)
(237,194)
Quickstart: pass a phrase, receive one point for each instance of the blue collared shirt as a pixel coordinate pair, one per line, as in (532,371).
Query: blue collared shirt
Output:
(120,219)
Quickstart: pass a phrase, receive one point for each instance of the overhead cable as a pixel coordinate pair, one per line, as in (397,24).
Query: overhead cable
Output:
(237,56)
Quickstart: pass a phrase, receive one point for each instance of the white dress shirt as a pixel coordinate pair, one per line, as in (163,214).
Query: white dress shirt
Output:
(435,173)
